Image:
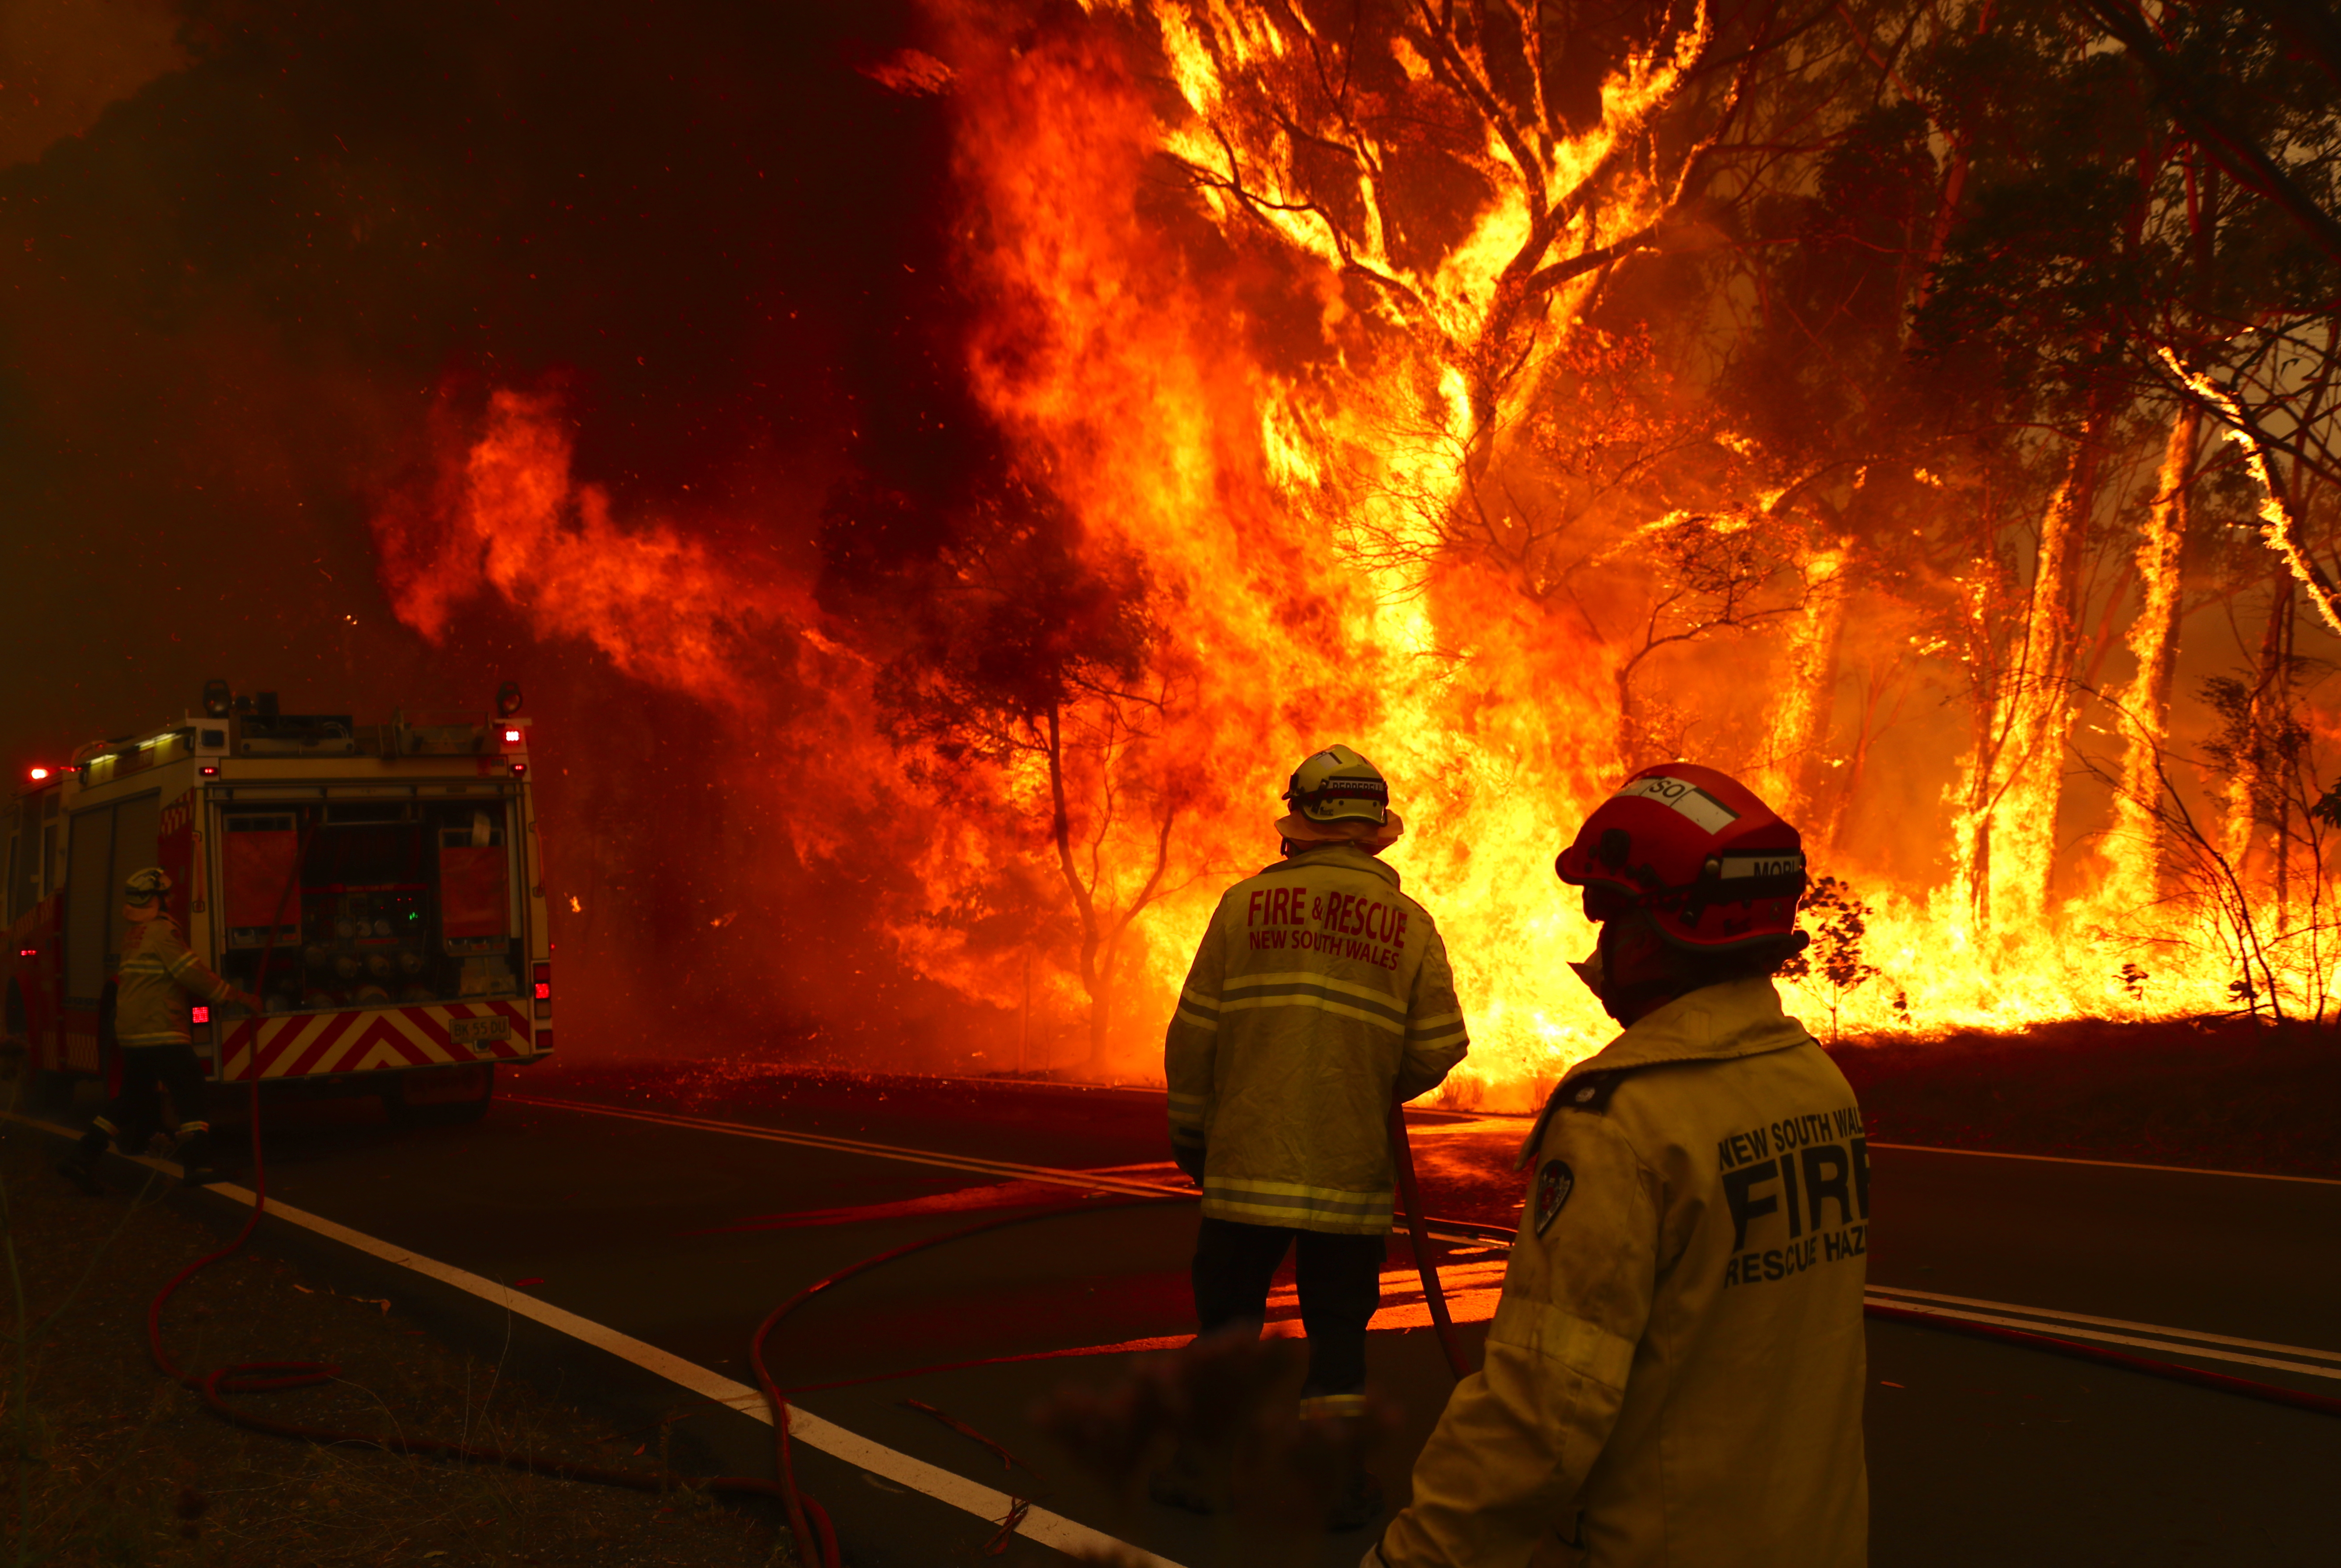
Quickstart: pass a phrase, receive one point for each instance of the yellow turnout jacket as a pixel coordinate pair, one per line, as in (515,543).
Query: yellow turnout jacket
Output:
(1675,1368)
(158,974)
(1320,995)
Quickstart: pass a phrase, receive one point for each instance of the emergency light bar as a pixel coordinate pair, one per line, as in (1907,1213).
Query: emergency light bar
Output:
(39,774)
(199,1014)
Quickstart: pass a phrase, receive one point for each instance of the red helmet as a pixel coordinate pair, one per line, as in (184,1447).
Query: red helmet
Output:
(1713,866)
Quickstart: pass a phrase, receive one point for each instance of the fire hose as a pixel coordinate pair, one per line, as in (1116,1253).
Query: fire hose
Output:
(259,1376)
(809,1525)
(806,1520)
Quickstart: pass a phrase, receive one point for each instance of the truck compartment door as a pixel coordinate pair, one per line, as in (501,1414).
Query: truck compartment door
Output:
(257,854)
(475,892)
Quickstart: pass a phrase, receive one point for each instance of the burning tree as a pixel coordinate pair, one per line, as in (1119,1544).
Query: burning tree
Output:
(1027,655)
(1836,964)
(2199,295)
(1467,171)
(1517,394)
(1716,573)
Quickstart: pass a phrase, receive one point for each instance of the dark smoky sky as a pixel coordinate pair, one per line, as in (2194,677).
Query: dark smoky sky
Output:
(246,247)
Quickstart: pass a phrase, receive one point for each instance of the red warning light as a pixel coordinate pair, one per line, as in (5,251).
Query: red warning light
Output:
(519,769)
(39,774)
(209,771)
(545,990)
(201,1014)
(28,952)
(512,736)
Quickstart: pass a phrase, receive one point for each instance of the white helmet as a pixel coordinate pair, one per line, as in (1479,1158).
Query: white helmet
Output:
(1337,796)
(144,887)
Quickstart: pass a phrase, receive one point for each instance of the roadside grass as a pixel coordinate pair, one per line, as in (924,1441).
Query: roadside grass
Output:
(2226,1094)
(109,1462)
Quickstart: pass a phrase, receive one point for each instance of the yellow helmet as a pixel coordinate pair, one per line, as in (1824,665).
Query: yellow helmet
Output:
(1338,785)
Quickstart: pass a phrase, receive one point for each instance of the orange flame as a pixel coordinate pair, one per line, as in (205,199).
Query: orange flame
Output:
(1283,431)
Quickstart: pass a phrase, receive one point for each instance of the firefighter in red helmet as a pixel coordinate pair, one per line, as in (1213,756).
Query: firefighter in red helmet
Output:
(1676,1367)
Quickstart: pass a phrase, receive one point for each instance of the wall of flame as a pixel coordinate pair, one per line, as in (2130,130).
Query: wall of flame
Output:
(1216,409)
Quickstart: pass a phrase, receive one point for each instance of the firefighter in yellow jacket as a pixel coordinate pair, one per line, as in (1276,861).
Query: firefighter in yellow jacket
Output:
(1675,1370)
(1320,994)
(159,972)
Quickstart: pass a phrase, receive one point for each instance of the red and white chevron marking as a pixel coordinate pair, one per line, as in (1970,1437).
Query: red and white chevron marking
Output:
(308,1045)
(176,814)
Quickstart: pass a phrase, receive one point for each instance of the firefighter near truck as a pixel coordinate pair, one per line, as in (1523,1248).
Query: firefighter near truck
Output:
(379,888)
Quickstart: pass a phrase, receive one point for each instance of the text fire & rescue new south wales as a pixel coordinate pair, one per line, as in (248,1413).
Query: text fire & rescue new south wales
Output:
(1352,926)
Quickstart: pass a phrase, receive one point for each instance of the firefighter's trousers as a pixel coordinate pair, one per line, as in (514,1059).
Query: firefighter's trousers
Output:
(1341,1283)
(135,1114)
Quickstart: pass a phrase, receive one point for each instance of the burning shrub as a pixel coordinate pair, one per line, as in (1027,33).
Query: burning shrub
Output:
(1840,924)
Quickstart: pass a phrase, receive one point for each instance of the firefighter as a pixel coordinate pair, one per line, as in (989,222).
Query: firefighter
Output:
(158,973)
(1675,1370)
(1320,995)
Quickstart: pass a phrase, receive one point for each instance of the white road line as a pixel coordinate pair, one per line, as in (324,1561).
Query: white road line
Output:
(2165,1346)
(2108,1165)
(2195,1336)
(2180,1341)
(1067,1535)
(1083,1180)
(2176,1341)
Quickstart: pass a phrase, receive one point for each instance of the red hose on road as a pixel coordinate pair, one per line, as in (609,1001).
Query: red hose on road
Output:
(259,1376)
(802,1509)
(294,1374)
(809,1525)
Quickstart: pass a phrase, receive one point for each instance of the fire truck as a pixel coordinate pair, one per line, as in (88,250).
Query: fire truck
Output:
(377,886)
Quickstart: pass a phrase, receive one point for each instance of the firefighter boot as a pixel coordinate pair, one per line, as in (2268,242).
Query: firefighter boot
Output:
(193,1154)
(80,1167)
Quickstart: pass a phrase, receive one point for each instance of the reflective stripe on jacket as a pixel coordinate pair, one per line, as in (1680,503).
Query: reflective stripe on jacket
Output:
(158,972)
(1675,1368)
(1320,993)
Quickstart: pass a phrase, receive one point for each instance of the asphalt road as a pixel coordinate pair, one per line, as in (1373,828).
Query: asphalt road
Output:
(685,1236)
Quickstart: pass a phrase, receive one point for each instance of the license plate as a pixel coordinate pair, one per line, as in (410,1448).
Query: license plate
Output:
(478,1031)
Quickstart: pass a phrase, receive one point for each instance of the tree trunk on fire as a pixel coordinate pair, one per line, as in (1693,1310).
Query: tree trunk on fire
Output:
(2254,793)
(2143,707)
(2035,700)
(1798,773)
(1102,929)
(1101,1013)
